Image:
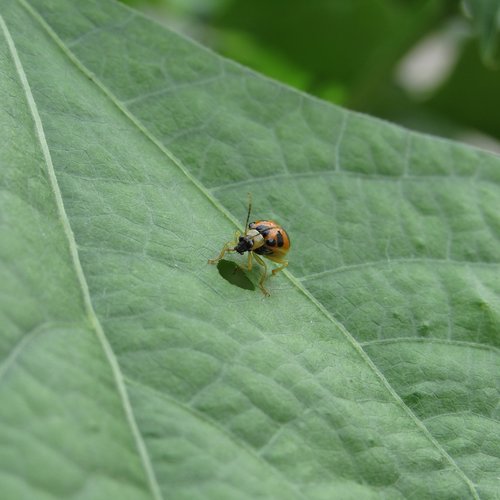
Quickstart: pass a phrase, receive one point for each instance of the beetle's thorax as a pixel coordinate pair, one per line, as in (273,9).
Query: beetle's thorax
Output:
(249,242)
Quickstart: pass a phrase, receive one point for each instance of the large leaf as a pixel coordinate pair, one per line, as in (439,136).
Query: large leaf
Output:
(132,369)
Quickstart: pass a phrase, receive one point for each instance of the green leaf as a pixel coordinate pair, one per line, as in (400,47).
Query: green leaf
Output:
(132,369)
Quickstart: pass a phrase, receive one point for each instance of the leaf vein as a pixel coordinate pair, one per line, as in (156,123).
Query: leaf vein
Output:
(380,263)
(94,321)
(209,421)
(19,347)
(459,343)
(208,194)
(358,176)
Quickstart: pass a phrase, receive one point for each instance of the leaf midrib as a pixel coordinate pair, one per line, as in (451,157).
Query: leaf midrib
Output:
(357,347)
(84,289)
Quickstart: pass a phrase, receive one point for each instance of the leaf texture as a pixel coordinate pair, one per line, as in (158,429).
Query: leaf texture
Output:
(131,369)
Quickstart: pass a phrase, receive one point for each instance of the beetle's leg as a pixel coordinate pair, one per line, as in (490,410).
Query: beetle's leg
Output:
(278,269)
(248,267)
(263,277)
(228,247)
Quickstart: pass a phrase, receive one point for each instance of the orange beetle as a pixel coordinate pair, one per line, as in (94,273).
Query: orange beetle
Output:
(264,238)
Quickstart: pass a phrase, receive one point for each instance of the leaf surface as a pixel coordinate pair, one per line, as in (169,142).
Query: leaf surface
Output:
(132,369)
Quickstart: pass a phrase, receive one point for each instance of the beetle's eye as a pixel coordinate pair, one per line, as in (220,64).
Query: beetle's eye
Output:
(241,238)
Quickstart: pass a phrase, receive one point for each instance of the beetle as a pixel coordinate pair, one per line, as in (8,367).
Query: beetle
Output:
(262,238)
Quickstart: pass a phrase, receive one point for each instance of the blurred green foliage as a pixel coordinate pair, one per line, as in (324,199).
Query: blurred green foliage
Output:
(361,54)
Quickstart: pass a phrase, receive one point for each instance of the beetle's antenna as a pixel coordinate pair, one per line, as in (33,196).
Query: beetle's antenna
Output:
(249,210)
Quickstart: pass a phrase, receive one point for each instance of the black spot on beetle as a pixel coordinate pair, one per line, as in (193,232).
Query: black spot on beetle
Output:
(264,250)
(271,242)
(264,230)
(279,237)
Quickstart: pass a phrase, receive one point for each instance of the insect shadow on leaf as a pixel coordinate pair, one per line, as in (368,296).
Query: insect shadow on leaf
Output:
(233,273)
